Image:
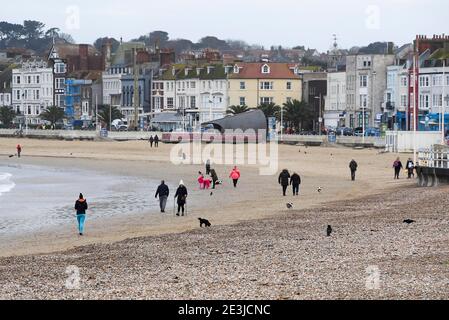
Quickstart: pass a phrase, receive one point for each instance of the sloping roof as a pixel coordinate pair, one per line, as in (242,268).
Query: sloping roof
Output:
(254,71)
(251,120)
(167,117)
(65,50)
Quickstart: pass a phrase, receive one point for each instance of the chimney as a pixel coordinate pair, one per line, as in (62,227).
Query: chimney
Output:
(83,53)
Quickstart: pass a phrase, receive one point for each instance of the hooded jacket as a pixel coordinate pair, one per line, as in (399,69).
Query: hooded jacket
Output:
(181,195)
(81,206)
(295,179)
(353,165)
(235,174)
(284,178)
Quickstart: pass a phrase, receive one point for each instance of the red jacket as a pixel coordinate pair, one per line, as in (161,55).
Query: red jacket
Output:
(235,174)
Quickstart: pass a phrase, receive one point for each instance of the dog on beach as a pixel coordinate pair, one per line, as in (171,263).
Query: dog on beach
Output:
(204,222)
(409,221)
(289,206)
(329,231)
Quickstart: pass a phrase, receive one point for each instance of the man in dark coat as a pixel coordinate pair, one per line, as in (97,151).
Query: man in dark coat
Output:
(214,177)
(295,181)
(162,192)
(151,141)
(156,141)
(284,181)
(181,195)
(353,166)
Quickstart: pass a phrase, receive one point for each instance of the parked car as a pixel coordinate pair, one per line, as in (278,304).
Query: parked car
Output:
(369,132)
(344,131)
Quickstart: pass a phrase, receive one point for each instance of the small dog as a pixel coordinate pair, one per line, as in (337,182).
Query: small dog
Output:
(319,189)
(204,222)
(409,221)
(289,206)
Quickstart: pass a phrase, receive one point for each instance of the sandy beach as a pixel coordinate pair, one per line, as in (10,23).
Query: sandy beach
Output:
(256,248)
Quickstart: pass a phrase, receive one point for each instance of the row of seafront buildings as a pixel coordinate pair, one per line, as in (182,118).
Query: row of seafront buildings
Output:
(379,89)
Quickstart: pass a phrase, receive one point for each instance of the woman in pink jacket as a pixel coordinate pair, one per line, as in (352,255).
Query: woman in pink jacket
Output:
(235,176)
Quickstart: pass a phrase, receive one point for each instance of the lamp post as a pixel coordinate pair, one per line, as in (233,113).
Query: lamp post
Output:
(282,122)
(320,120)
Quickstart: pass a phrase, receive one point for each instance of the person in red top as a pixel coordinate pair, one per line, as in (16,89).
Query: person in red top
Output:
(201,180)
(19,150)
(235,176)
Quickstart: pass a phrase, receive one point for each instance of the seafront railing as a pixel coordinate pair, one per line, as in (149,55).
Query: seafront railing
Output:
(434,157)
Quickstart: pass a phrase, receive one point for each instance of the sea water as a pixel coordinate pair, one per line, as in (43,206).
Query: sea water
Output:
(33,198)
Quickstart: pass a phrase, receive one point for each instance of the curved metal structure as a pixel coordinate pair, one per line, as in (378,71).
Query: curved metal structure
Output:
(251,120)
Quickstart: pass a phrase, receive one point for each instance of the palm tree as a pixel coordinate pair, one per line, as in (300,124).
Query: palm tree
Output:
(105,112)
(299,114)
(234,110)
(270,110)
(53,115)
(7,115)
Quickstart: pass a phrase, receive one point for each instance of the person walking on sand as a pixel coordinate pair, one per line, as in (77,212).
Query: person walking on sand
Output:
(181,196)
(295,181)
(235,176)
(397,165)
(201,180)
(214,177)
(353,166)
(81,207)
(156,141)
(284,181)
(208,167)
(410,168)
(162,192)
(151,141)
(19,150)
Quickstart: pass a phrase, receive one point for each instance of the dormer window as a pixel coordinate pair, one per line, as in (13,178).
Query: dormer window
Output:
(198,71)
(265,69)
(209,69)
(236,69)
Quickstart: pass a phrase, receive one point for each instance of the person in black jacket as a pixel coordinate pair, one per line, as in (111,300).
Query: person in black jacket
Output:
(214,176)
(284,181)
(162,192)
(208,167)
(151,141)
(81,207)
(353,166)
(295,181)
(156,141)
(181,195)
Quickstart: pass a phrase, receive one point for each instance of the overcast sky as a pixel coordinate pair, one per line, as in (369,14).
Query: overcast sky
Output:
(278,22)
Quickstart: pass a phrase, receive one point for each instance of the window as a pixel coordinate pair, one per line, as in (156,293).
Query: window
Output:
(437,81)
(60,68)
(266,100)
(351,121)
(289,85)
(424,101)
(170,103)
(242,101)
(363,81)
(193,102)
(437,100)
(242,85)
(265,69)
(193,85)
(37,94)
(60,83)
(29,110)
(29,79)
(363,100)
(265,85)
(404,81)
(60,100)
(18,94)
(18,79)
(404,100)
(424,81)
(37,79)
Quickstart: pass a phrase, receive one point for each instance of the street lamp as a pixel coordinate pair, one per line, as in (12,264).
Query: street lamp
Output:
(320,120)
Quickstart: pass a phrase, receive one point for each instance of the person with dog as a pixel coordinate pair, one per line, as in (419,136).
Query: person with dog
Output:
(81,207)
(181,196)
(284,181)
(397,165)
(235,176)
(295,181)
(162,192)
(353,166)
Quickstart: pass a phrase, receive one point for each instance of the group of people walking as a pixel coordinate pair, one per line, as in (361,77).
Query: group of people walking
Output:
(154,140)
(163,192)
(286,180)
(409,167)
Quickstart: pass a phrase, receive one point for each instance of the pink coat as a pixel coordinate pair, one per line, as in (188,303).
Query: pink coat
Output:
(235,174)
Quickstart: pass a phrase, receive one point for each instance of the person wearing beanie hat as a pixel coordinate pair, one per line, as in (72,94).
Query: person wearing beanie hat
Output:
(81,207)
(181,195)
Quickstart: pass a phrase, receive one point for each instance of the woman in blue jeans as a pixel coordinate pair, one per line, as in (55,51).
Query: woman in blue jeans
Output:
(81,207)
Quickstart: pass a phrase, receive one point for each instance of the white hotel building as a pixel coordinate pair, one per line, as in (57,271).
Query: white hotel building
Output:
(32,90)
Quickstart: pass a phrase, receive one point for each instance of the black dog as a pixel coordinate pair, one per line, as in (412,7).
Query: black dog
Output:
(204,222)
(329,231)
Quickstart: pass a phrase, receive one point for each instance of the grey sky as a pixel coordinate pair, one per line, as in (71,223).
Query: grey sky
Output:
(279,22)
